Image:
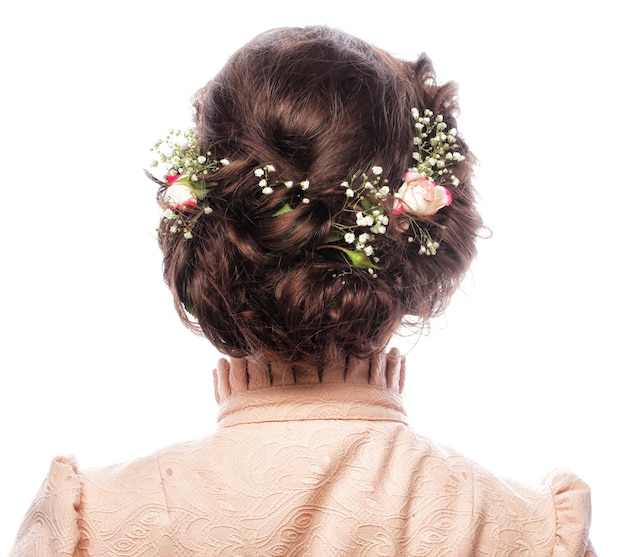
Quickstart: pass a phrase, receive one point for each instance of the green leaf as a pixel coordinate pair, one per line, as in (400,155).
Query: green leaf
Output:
(334,236)
(357,258)
(284,209)
(360,260)
(366,204)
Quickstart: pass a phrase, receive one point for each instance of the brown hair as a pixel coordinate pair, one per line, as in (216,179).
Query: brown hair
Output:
(321,105)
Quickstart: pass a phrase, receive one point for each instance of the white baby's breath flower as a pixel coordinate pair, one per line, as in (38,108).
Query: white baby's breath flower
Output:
(368,250)
(224,162)
(267,190)
(377,170)
(349,192)
(289,184)
(436,146)
(306,200)
(270,168)
(304,185)
(259,172)
(208,210)
(349,237)
(201,159)
(262,183)
(364,220)
(188,235)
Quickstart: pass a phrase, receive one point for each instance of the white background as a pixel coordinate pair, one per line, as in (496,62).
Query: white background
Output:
(524,373)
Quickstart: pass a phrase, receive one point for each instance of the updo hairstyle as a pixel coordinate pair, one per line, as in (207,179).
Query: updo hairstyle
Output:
(318,105)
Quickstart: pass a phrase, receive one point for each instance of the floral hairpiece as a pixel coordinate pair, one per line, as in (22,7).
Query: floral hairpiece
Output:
(189,177)
(422,193)
(267,185)
(436,147)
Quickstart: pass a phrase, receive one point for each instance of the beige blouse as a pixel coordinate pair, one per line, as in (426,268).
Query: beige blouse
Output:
(305,468)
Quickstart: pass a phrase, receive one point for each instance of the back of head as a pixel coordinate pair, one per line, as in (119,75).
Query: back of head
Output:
(262,274)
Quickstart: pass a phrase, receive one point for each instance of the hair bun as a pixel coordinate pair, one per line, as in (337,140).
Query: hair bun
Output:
(298,112)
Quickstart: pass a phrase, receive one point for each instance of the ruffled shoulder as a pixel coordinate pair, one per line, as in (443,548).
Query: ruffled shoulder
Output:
(551,519)
(572,503)
(50,527)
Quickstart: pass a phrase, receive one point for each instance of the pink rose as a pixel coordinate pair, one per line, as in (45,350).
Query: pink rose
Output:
(180,194)
(420,196)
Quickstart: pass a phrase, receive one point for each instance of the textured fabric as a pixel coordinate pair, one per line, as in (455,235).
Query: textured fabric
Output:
(304,468)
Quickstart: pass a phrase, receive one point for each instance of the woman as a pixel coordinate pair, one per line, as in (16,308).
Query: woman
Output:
(323,197)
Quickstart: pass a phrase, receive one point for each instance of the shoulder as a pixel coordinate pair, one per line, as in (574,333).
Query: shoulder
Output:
(81,508)
(50,526)
(501,516)
(571,500)
(552,517)
(123,507)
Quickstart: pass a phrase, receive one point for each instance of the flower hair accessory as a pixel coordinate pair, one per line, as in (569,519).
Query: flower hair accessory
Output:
(366,194)
(420,195)
(188,173)
(364,199)
(436,147)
